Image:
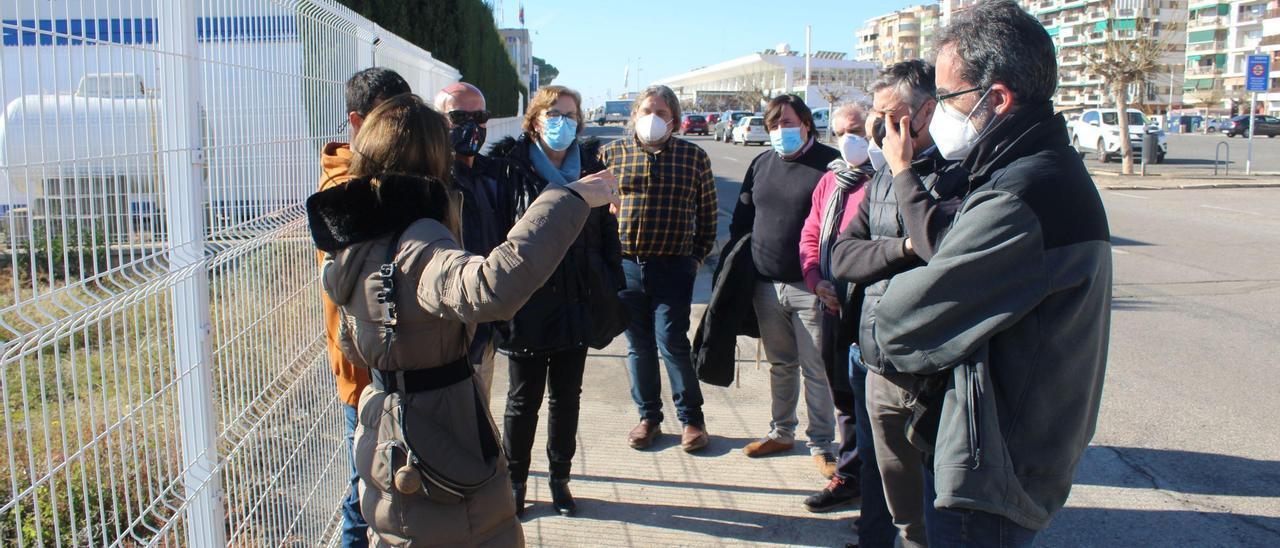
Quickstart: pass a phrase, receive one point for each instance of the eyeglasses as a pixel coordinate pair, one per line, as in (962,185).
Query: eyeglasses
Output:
(459,117)
(554,113)
(947,96)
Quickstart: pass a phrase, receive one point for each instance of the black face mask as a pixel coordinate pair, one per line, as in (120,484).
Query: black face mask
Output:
(467,138)
(878,131)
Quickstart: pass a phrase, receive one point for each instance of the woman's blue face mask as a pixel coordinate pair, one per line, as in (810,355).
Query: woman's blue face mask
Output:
(559,132)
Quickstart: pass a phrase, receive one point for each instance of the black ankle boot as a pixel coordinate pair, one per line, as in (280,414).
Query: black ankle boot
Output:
(561,498)
(518,490)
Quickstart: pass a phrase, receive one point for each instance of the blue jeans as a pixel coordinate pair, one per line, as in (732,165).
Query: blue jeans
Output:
(874,523)
(973,529)
(658,293)
(354,528)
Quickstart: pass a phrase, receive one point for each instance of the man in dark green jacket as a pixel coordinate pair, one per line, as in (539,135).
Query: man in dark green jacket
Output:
(1015,306)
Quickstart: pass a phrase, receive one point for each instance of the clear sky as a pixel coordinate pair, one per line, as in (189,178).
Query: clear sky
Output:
(592,41)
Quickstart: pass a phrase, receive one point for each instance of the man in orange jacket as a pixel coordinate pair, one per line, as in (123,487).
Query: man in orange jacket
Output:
(364,91)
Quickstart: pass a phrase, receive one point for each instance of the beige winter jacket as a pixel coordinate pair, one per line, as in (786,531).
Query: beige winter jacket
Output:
(442,291)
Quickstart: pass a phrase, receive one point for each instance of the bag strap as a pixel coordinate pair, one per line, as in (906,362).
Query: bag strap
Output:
(387,297)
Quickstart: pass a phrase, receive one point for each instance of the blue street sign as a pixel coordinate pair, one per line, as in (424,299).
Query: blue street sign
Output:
(1258,73)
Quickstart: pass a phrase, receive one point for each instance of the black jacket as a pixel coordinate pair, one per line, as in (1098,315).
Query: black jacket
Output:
(558,315)
(728,315)
(870,250)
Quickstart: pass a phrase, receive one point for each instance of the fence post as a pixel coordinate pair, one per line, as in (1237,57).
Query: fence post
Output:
(180,96)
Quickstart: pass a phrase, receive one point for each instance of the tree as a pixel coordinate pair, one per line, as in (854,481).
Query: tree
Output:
(1123,62)
(546,71)
(458,32)
(756,91)
(832,93)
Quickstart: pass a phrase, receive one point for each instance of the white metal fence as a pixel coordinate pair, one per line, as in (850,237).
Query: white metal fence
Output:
(161,367)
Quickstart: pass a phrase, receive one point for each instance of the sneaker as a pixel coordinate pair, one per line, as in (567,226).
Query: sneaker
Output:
(826,464)
(766,446)
(837,494)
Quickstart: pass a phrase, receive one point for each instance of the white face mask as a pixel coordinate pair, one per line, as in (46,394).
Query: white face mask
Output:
(651,129)
(853,149)
(954,134)
(875,155)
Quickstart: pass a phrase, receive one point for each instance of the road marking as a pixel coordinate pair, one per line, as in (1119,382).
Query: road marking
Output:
(1135,196)
(732,159)
(1119,251)
(1231,210)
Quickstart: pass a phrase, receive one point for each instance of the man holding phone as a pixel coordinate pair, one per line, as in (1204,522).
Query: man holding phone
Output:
(909,202)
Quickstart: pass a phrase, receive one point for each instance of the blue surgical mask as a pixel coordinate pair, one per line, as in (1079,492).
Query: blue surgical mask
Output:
(559,132)
(786,140)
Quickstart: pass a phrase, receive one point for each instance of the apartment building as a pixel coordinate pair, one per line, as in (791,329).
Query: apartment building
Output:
(1079,25)
(1270,45)
(897,36)
(1221,35)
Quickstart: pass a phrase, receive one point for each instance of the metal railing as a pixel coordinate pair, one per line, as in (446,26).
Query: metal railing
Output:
(161,346)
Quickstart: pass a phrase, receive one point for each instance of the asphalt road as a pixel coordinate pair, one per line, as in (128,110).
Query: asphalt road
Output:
(1187,450)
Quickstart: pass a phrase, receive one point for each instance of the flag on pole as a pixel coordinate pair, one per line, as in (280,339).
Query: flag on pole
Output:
(522,14)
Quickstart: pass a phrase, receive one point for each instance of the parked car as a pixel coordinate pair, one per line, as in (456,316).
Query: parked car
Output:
(1267,125)
(724,128)
(693,123)
(822,122)
(1098,131)
(1218,124)
(750,129)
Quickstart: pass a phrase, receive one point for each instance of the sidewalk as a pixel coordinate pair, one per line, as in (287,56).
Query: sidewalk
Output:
(665,497)
(1112,180)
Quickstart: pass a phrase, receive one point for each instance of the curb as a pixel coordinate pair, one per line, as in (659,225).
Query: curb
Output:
(1200,186)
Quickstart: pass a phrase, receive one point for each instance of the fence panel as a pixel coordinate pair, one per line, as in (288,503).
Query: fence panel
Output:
(162,361)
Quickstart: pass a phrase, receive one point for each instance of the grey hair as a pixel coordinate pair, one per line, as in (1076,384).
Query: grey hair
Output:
(998,41)
(848,107)
(661,92)
(912,81)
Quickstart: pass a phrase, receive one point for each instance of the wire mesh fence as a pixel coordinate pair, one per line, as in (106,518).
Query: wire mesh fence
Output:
(161,352)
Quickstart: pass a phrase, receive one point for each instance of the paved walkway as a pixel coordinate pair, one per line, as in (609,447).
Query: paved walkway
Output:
(665,497)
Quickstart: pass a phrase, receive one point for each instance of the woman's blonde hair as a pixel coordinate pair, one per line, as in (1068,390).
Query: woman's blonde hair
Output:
(543,100)
(403,135)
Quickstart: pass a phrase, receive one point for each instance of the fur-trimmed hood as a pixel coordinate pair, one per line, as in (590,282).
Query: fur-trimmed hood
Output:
(360,210)
(507,149)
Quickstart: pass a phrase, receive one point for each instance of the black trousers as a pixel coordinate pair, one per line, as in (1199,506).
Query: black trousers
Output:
(560,375)
(835,339)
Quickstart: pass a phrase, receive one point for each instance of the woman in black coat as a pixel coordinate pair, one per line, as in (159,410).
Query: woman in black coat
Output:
(547,340)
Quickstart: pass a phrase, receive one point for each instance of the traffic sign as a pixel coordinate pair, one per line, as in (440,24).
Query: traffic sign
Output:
(1258,73)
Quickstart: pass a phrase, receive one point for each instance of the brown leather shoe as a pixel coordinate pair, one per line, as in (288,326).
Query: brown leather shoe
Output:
(766,446)
(642,436)
(826,464)
(694,438)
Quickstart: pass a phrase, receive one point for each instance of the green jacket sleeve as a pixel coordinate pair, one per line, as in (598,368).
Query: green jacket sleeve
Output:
(988,273)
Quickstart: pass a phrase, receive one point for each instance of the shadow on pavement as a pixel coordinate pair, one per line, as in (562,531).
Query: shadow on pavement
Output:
(689,485)
(719,523)
(1182,472)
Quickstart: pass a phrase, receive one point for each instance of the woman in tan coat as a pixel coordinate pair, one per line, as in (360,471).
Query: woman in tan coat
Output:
(431,470)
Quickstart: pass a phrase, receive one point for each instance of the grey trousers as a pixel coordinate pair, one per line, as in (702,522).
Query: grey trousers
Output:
(789,328)
(901,464)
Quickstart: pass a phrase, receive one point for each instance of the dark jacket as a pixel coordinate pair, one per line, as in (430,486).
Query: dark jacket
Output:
(773,204)
(729,313)
(870,250)
(1016,308)
(558,315)
(486,218)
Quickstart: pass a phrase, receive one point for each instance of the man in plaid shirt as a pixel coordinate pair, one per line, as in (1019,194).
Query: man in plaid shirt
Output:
(667,224)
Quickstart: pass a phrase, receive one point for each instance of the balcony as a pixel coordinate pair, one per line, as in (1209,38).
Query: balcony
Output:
(1200,47)
(1204,22)
(1249,17)
(1204,70)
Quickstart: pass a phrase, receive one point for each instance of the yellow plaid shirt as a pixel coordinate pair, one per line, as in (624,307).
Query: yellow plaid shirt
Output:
(668,198)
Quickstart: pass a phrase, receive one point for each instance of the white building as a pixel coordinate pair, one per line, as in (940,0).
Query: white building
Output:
(1221,36)
(520,51)
(775,72)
